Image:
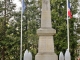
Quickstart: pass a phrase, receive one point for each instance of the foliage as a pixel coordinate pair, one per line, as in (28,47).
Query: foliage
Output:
(5,41)
(59,23)
(31,23)
(10,33)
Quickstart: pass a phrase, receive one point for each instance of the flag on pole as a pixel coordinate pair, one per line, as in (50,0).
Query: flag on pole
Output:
(69,11)
(68,14)
(23,6)
(22,11)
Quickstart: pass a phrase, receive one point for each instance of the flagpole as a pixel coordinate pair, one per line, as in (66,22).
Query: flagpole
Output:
(67,26)
(21,35)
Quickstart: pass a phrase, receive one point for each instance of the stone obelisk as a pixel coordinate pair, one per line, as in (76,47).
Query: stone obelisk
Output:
(46,32)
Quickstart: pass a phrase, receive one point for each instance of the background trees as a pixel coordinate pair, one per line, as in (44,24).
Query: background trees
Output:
(6,12)
(10,41)
(60,24)
(31,22)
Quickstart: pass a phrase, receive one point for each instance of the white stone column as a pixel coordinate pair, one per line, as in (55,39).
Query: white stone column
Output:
(46,14)
(46,32)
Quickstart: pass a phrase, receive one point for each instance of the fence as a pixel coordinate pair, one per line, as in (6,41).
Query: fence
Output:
(27,55)
(66,57)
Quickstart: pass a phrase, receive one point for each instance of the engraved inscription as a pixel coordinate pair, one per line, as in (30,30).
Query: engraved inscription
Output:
(46,44)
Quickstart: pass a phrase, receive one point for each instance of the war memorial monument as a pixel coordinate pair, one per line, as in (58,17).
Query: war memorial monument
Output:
(46,32)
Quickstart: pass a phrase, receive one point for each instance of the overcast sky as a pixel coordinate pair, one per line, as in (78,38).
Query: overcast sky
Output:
(18,4)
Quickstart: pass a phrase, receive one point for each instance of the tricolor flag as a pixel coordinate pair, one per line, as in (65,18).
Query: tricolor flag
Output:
(69,11)
(23,6)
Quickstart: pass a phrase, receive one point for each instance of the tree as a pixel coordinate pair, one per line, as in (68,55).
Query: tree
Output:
(6,12)
(31,22)
(58,13)
(78,21)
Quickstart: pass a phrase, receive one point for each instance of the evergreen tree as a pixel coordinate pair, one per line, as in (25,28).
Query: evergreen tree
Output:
(6,12)
(31,22)
(58,11)
(10,32)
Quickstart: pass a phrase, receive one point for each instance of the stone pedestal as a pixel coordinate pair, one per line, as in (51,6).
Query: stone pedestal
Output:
(46,32)
(46,45)
(46,56)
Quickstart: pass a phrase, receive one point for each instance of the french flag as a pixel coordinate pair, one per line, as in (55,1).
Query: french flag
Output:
(69,11)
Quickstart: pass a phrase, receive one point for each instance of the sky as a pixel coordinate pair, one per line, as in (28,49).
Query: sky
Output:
(18,4)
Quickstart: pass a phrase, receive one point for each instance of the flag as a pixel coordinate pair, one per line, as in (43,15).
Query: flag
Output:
(23,6)
(69,11)
(22,11)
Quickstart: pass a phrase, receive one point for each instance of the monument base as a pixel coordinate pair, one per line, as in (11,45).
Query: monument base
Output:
(47,56)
